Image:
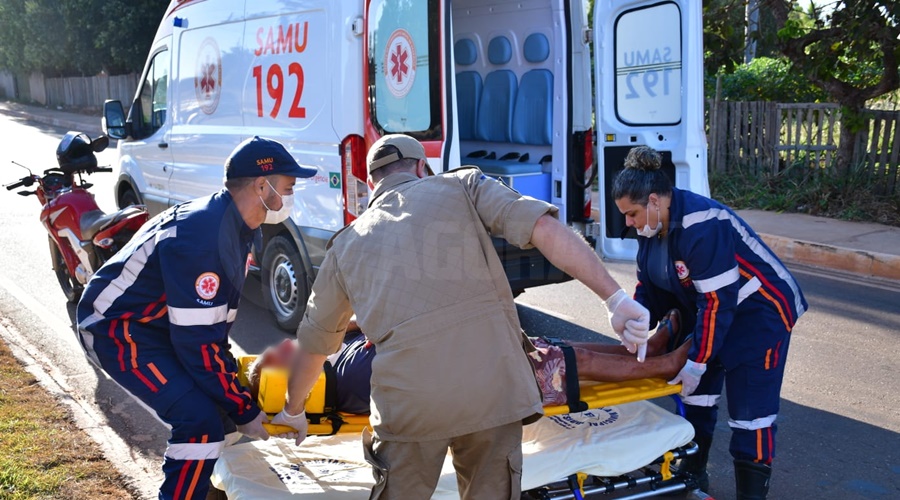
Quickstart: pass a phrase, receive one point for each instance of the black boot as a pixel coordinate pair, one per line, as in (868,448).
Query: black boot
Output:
(696,463)
(751,480)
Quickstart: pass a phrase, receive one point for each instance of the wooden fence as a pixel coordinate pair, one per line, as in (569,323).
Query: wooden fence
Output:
(90,91)
(763,137)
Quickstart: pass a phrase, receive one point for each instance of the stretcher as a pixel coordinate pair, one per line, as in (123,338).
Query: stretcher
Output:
(621,442)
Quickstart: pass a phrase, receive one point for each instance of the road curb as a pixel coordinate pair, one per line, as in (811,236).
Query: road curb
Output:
(855,261)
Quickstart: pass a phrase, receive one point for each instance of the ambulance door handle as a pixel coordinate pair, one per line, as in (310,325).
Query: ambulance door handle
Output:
(163,145)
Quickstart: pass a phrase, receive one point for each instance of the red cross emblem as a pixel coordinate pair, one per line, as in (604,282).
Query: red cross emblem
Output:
(207,285)
(208,78)
(398,63)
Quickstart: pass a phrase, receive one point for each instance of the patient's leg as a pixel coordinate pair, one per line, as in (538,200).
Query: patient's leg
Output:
(656,346)
(614,367)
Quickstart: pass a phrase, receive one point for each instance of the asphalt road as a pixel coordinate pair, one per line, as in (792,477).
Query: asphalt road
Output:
(839,425)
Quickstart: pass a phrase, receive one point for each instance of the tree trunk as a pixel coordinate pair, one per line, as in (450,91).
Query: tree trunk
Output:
(845,150)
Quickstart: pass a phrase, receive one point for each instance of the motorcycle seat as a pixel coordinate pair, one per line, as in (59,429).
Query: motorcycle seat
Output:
(95,221)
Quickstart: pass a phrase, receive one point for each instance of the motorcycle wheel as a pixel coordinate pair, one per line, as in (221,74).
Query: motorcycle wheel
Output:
(71,288)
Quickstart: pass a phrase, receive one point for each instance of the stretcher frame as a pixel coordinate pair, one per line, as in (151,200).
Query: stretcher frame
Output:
(657,478)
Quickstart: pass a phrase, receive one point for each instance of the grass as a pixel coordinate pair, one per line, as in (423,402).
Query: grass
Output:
(45,455)
(815,191)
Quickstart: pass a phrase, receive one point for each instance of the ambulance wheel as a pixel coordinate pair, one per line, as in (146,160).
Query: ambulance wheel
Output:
(284,282)
(128,198)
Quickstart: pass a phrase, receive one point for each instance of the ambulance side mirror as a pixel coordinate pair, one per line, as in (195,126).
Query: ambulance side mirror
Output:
(114,120)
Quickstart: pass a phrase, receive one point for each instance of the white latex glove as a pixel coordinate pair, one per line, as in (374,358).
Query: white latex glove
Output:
(689,376)
(254,429)
(630,320)
(298,422)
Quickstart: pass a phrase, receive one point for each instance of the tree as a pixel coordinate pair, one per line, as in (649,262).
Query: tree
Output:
(77,37)
(851,52)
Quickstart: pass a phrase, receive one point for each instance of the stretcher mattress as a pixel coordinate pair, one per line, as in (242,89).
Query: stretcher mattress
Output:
(603,442)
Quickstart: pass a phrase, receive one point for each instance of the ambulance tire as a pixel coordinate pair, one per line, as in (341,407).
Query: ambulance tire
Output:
(128,198)
(285,287)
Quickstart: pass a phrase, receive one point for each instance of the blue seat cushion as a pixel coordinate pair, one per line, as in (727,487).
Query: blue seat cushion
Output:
(465,52)
(468,94)
(504,167)
(499,50)
(533,112)
(537,48)
(495,111)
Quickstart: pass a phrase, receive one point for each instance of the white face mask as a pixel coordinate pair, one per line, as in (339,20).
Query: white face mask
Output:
(281,215)
(647,232)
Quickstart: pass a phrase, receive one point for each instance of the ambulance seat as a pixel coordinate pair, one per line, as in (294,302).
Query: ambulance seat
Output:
(494,122)
(533,112)
(532,122)
(468,88)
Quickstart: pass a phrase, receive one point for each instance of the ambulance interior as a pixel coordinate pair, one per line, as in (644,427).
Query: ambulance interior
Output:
(507,57)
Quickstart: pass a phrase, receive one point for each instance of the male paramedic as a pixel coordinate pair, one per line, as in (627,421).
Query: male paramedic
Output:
(420,271)
(697,255)
(156,316)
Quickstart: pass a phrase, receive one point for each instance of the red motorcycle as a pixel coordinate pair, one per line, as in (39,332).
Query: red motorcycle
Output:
(82,237)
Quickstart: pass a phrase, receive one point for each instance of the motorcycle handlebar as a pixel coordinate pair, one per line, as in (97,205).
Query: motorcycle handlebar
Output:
(103,169)
(15,185)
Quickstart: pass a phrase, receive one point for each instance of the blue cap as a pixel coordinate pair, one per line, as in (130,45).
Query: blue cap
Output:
(258,157)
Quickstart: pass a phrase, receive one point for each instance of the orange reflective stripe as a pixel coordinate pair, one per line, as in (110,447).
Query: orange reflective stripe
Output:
(162,312)
(787,324)
(759,442)
(157,373)
(130,341)
(768,358)
(190,491)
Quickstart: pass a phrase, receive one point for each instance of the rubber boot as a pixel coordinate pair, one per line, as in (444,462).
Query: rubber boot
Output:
(751,480)
(696,463)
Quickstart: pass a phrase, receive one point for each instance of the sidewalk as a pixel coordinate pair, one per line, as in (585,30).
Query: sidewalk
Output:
(862,248)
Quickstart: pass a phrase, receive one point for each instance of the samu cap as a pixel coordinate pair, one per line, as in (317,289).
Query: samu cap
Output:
(393,147)
(257,157)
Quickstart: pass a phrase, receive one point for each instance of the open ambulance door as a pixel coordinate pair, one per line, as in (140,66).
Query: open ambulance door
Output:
(648,74)
(407,85)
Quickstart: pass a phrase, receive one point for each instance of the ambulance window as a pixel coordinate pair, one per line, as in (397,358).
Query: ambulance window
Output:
(404,74)
(648,65)
(153,94)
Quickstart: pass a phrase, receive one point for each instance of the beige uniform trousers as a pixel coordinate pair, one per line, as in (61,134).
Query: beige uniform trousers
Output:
(488,465)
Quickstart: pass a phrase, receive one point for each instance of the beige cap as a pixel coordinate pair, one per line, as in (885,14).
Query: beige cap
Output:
(393,147)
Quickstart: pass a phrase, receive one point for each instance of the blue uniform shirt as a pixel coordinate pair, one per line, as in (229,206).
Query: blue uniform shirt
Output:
(156,317)
(717,266)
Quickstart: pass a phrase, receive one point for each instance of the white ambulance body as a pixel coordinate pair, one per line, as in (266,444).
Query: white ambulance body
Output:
(505,85)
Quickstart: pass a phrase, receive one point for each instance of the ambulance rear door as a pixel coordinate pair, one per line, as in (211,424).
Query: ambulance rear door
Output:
(407,87)
(648,72)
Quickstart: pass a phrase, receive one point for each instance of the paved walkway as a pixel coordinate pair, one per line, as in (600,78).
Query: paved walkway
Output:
(857,247)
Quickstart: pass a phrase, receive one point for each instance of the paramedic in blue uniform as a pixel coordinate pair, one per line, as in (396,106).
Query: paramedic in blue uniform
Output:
(156,317)
(735,295)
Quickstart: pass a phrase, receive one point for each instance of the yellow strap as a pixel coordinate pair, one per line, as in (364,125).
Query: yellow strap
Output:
(665,468)
(581,476)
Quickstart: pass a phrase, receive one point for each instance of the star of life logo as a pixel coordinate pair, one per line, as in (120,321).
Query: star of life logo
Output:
(400,63)
(207,285)
(208,76)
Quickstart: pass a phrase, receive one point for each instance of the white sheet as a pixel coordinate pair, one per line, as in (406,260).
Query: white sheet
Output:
(605,442)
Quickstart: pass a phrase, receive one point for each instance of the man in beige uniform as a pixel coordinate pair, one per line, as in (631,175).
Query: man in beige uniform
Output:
(420,271)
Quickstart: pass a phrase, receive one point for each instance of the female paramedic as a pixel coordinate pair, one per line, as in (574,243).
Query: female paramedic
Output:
(736,297)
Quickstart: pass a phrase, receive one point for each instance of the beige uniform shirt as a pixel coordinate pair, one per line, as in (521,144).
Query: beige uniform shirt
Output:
(419,270)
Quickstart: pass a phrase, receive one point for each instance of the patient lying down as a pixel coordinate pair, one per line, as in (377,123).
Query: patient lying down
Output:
(594,361)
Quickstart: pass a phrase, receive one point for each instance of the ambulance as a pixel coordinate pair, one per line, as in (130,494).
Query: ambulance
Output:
(502,84)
